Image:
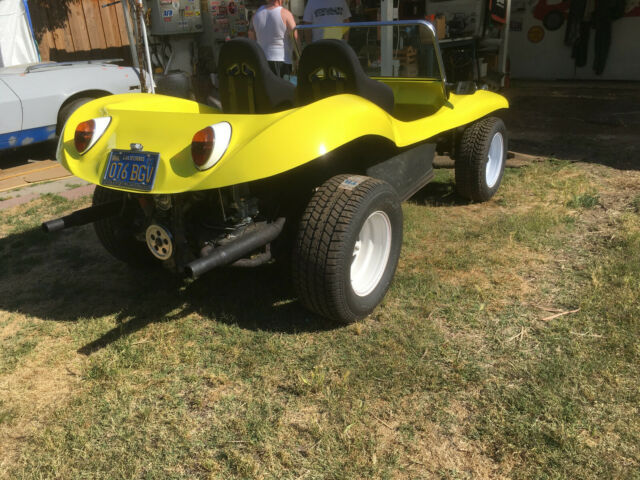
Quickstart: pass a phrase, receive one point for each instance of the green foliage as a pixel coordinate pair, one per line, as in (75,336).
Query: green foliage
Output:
(583,200)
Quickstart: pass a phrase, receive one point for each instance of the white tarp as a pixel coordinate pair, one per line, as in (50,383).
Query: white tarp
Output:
(16,41)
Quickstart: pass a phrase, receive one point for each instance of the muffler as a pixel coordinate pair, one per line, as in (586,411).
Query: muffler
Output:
(230,252)
(84,216)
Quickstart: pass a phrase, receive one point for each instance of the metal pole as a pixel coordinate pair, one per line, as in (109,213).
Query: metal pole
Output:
(145,42)
(505,44)
(386,40)
(132,41)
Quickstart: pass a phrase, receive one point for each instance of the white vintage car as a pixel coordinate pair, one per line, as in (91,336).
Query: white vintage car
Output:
(37,99)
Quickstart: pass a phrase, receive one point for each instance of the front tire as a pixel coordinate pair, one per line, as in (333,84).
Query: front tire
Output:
(347,248)
(117,233)
(480,161)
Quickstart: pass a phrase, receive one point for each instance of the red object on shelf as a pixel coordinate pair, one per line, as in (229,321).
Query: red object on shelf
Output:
(498,9)
(543,8)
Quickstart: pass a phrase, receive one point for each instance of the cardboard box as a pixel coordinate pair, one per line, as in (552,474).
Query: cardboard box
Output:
(441,27)
(410,71)
(439,23)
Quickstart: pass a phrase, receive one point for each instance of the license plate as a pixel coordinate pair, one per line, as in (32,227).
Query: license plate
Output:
(133,170)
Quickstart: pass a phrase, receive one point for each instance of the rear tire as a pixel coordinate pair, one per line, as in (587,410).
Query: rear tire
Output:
(117,233)
(480,161)
(347,247)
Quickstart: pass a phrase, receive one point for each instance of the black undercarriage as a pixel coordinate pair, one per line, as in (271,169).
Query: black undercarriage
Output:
(241,225)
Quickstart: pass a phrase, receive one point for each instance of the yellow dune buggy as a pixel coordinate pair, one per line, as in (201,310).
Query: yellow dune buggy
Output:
(312,172)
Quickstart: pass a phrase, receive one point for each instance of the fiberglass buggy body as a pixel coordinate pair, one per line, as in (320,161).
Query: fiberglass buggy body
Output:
(312,173)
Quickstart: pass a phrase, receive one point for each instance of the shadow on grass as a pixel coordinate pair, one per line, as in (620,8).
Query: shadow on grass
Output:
(439,194)
(68,277)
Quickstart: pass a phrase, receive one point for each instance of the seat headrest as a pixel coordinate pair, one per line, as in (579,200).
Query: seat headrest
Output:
(329,59)
(247,84)
(330,67)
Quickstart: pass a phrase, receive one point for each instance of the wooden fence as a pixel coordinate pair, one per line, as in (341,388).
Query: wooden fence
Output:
(79,30)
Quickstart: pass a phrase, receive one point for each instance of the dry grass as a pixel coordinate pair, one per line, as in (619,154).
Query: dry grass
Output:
(43,383)
(108,373)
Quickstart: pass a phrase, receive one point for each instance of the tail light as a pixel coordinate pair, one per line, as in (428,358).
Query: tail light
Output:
(84,134)
(209,145)
(88,133)
(202,146)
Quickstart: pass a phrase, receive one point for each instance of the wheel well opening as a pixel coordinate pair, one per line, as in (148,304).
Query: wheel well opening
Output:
(76,96)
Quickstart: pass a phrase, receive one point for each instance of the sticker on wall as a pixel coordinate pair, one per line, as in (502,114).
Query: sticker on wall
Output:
(535,34)
(240,26)
(223,26)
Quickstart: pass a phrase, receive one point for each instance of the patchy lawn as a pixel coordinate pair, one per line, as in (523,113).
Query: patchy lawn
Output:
(507,347)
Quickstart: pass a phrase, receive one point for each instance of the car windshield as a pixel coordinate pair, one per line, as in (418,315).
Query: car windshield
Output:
(401,49)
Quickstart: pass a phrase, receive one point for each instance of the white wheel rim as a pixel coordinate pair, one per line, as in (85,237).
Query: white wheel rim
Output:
(371,253)
(494,160)
(159,242)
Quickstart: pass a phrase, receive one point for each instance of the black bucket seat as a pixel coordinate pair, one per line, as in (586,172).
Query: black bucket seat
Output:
(247,84)
(331,67)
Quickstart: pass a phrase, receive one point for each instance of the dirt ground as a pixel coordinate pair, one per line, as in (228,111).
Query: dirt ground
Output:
(582,121)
